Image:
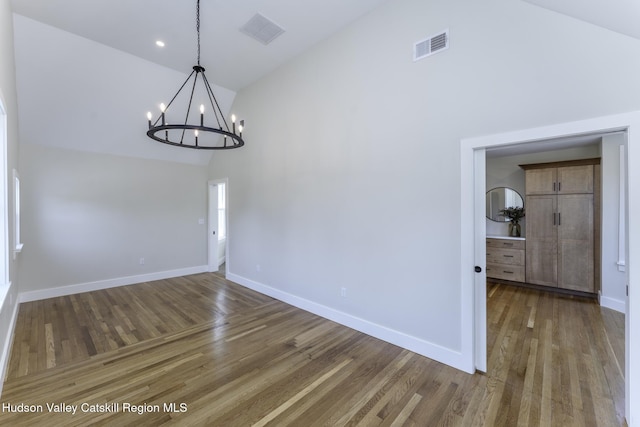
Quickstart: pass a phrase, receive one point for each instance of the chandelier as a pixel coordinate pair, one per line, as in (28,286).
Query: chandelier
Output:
(194,131)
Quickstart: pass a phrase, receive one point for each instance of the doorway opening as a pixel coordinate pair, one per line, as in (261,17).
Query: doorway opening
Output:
(473,250)
(532,331)
(217,236)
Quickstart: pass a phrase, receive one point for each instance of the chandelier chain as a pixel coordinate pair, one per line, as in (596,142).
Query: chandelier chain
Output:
(198,27)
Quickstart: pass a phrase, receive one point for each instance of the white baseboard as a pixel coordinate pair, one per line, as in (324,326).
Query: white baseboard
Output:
(6,345)
(417,345)
(109,283)
(613,304)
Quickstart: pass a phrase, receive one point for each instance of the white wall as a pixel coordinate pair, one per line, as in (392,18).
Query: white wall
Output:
(8,96)
(78,94)
(222,251)
(614,279)
(90,217)
(351,173)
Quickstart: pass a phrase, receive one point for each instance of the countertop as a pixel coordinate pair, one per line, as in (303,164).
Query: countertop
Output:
(493,236)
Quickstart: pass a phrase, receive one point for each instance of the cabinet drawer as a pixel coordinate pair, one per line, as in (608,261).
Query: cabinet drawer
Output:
(505,256)
(505,243)
(506,272)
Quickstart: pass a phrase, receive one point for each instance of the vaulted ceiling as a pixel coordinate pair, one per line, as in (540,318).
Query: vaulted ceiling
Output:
(232,59)
(622,16)
(118,77)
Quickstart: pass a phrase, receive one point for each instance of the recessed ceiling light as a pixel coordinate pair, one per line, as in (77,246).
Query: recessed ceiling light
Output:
(159,43)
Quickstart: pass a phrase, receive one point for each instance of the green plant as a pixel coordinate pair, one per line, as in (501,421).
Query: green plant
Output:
(514,213)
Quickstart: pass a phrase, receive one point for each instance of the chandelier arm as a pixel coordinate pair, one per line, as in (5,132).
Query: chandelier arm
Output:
(211,95)
(214,102)
(172,99)
(186,117)
(178,92)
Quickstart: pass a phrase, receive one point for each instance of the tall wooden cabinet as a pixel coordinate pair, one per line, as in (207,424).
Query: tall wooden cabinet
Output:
(561,224)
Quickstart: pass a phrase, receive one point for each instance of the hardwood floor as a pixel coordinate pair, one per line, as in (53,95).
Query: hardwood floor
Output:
(223,355)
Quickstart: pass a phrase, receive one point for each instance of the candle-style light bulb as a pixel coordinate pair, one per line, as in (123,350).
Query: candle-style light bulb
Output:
(149,116)
(162,121)
(195,132)
(201,108)
(201,114)
(240,129)
(233,122)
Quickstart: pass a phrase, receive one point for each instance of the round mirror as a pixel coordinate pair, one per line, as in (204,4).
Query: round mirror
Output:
(501,198)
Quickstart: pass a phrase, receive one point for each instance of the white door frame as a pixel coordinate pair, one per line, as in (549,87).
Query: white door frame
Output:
(474,313)
(212,227)
(4,192)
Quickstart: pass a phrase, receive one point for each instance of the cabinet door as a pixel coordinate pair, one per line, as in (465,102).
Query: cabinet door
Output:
(575,179)
(542,240)
(540,181)
(575,242)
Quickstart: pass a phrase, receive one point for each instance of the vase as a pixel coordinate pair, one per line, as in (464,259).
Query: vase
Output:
(514,229)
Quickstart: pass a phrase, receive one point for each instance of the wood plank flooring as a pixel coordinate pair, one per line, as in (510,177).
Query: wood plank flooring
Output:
(200,350)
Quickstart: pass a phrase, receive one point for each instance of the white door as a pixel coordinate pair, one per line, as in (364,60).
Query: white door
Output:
(480,255)
(213,227)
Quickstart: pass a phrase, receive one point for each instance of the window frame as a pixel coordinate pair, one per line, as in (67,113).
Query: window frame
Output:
(222,211)
(17,238)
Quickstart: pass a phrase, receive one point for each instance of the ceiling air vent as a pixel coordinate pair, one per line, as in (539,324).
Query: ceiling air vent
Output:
(262,29)
(433,44)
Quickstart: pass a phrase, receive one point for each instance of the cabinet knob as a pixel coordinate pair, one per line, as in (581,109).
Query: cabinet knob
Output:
(478,269)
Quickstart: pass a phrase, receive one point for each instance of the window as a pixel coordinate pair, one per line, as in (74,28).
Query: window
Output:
(16,214)
(222,211)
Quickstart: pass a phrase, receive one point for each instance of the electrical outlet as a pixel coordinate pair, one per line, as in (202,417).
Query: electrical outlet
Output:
(343,292)
(141,261)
